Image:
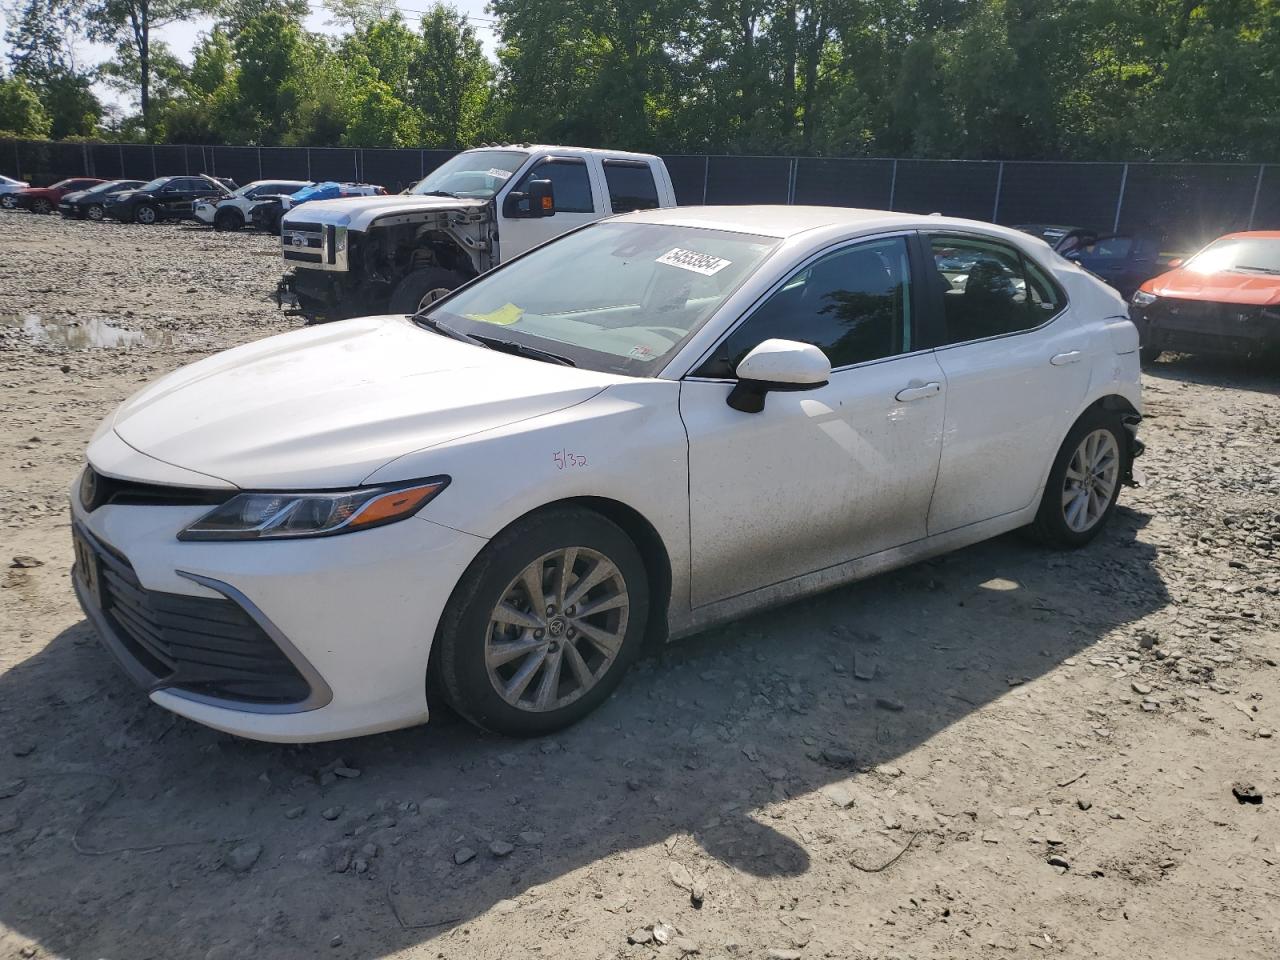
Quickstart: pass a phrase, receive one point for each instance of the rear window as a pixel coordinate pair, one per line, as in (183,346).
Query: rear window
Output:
(631,186)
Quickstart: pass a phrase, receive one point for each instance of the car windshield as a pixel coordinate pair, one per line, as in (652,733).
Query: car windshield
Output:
(155,184)
(618,297)
(476,174)
(1241,254)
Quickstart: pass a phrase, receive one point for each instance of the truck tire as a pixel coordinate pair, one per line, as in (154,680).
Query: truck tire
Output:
(228,220)
(421,288)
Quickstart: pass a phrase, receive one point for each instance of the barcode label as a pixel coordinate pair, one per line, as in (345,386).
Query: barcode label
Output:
(702,263)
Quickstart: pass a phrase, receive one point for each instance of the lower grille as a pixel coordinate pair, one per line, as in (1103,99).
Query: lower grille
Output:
(197,644)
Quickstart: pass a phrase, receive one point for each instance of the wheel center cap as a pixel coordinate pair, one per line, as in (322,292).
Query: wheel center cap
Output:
(556,627)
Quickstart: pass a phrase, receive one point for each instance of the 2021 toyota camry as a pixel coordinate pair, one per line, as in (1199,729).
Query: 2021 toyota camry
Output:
(649,425)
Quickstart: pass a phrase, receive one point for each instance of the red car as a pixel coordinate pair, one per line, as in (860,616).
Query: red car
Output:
(1223,300)
(45,199)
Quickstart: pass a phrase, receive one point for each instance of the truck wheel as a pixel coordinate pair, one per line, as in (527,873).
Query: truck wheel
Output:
(422,288)
(228,220)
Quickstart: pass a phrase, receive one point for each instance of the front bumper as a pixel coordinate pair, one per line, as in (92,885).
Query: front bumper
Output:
(204,212)
(355,615)
(1206,327)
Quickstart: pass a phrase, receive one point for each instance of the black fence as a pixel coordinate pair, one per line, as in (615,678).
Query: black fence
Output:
(1180,204)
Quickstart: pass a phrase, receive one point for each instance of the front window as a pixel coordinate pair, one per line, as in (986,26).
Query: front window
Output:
(616,297)
(475,174)
(1238,254)
(155,184)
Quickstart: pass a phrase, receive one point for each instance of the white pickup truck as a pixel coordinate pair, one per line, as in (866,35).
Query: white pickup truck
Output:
(395,254)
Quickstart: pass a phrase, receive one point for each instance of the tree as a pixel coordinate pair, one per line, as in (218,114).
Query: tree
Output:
(451,79)
(42,54)
(21,113)
(359,14)
(129,25)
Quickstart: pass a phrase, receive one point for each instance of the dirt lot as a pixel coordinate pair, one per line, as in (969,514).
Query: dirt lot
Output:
(1005,753)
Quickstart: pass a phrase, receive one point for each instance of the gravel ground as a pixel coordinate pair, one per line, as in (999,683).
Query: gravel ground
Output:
(1006,752)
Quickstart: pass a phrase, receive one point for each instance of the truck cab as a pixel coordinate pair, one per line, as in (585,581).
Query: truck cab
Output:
(395,254)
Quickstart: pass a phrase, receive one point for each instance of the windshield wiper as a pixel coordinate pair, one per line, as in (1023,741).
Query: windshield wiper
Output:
(431,323)
(524,350)
(438,193)
(1258,269)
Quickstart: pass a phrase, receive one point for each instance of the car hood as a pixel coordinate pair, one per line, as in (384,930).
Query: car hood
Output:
(122,196)
(73,197)
(1248,289)
(356,213)
(329,405)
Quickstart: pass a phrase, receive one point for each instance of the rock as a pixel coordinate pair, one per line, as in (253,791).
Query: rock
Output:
(347,773)
(342,860)
(780,953)
(679,875)
(370,850)
(684,946)
(1060,863)
(327,779)
(698,893)
(1150,706)
(500,848)
(293,813)
(11,789)
(531,837)
(1084,804)
(838,795)
(839,757)
(243,857)
(1115,814)
(663,932)
(331,813)
(1246,792)
(643,935)
(8,823)
(1140,687)
(1054,839)
(24,749)
(22,562)
(336,940)
(463,855)
(864,668)
(887,703)
(887,770)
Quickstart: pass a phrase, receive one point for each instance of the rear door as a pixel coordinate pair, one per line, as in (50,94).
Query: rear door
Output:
(1017,369)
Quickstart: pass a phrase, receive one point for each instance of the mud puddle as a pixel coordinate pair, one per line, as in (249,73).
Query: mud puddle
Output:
(83,333)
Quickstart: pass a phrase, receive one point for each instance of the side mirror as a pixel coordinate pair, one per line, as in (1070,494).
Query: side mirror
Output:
(777,365)
(1175,263)
(538,199)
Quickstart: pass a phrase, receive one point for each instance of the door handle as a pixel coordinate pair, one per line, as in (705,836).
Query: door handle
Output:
(1062,359)
(907,394)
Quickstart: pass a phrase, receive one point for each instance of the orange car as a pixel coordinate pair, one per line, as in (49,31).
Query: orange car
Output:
(1223,300)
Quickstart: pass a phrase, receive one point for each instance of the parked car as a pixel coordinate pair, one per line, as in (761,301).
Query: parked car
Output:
(232,213)
(166,198)
(46,199)
(8,189)
(91,204)
(1224,300)
(269,210)
(1123,260)
(478,209)
(653,424)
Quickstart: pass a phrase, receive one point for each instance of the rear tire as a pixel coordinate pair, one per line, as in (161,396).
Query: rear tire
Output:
(1084,481)
(421,288)
(41,205)
(227,220)
(494,627)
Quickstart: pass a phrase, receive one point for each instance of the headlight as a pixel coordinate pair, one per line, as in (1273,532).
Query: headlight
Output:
(1142,299)
(286,516)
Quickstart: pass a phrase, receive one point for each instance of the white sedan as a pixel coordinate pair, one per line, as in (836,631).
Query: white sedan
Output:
(9,188)
(650,425)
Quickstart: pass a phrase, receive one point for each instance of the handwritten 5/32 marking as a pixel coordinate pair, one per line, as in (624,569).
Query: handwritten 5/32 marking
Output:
(564,458)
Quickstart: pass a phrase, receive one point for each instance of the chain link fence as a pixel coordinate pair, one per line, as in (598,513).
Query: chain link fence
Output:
(1182,205)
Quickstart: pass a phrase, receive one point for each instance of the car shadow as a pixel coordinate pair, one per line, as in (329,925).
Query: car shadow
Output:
(131,831)
(1256,374)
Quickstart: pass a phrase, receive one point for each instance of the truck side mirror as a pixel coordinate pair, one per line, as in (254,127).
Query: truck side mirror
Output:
(538,199)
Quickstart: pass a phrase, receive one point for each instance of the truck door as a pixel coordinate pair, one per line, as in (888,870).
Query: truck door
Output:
(578,201)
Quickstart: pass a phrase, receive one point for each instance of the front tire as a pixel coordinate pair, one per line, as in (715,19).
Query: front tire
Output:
(543,624)
(41,205)
(227,220)
(146,214)
(96,212)
(7,201)
(422,288)
(1084,482)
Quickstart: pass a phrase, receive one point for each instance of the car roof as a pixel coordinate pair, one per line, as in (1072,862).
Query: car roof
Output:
(564,148)
(1252,235)
(790,221)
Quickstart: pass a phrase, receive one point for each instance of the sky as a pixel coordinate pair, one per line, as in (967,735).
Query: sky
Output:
(181,37)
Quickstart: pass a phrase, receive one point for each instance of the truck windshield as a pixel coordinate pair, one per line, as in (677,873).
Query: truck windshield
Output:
(475,174)
(616,296)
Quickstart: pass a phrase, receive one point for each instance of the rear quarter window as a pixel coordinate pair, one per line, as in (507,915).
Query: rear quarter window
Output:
(631,186)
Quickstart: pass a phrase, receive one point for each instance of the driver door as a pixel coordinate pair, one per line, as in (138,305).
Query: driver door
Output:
(578,202)
(829,474)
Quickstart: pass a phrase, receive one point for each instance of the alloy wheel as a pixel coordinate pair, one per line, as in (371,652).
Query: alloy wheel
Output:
(1090,481)
(94,211)
(7,201)
(431,296)
(557,629)
(146,215)
(41,206)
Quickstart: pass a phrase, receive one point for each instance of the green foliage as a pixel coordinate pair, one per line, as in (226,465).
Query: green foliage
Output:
(21,113)
(990,79)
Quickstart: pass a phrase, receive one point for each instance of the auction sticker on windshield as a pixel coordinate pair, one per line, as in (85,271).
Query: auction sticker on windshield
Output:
(499,174)
(702,263)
